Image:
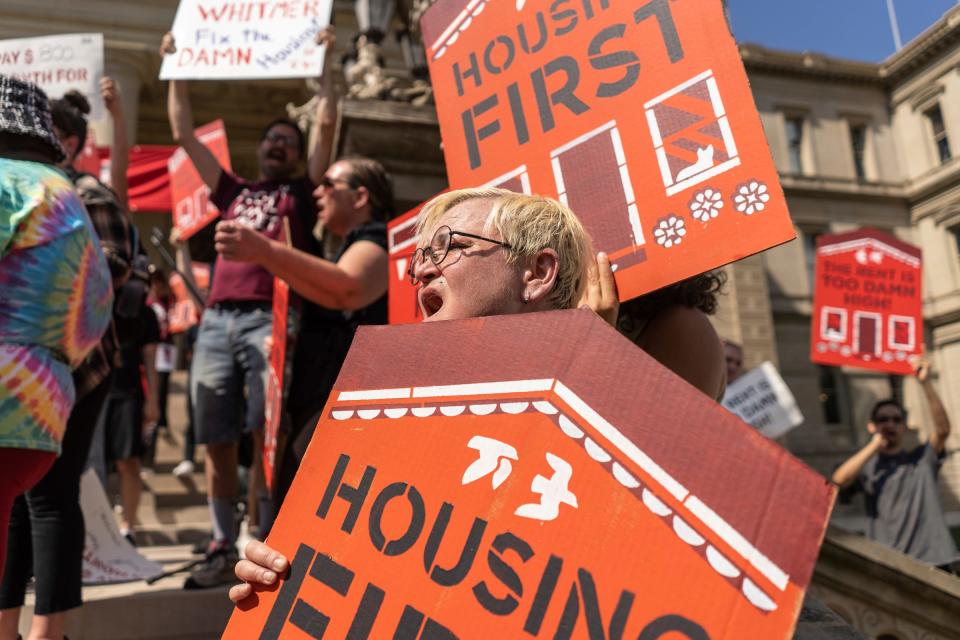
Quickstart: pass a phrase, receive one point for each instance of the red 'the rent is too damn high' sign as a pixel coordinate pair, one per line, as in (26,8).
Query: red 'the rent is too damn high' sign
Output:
(636,113)
(867,305)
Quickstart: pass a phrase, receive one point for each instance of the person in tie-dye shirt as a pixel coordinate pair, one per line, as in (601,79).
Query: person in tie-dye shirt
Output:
(57,294)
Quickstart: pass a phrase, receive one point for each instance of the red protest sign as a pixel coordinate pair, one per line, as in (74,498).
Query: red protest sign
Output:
(273,405)
(185,313)
(191,198)
(867,305)
(148,177)
(276,366)
(402,304)
(535,487)
(638,115)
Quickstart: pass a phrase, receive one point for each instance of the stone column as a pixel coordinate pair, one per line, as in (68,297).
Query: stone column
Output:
(129,65)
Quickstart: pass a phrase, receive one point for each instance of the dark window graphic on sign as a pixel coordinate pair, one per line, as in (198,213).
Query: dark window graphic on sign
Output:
(834,324)
(592,175)
(901,333)
(867,330)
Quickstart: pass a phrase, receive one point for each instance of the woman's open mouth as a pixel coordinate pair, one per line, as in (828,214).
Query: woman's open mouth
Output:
(430,301)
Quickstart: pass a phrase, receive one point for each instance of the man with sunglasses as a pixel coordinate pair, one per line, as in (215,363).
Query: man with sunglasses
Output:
(229,365)
(900,485)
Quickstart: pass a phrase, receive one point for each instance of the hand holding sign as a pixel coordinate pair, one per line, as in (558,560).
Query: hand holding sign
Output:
(261,566)
(111,98)
(168,44)
(600,294)
(235,241)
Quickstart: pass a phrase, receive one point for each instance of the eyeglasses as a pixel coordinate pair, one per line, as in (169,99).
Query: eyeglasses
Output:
(439,247)
(287,141)
(891,419)
(328,183)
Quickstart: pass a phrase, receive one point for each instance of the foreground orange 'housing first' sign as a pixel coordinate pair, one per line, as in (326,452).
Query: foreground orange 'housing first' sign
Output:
(867,302)
(530,487)
(635,113)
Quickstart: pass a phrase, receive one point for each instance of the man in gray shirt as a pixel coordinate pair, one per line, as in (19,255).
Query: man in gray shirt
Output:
(900,486)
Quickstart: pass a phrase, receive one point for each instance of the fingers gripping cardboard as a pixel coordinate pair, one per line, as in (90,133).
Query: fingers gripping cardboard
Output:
(498,482)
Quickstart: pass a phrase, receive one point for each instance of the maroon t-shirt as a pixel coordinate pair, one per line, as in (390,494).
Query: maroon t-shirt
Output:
(261,206)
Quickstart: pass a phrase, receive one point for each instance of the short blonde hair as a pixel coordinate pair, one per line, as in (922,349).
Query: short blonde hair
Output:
(528,224)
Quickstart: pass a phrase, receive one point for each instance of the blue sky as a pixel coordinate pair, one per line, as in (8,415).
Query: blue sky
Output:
(855,29)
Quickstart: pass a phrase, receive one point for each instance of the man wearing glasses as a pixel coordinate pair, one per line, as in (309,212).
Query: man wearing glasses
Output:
(229,365)
(900,485)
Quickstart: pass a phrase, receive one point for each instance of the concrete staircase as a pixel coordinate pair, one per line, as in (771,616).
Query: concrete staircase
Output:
(173,515)
(172,510)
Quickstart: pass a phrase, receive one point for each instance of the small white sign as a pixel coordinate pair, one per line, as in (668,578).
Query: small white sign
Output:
(166,357)
(239,39)
(58,64)
(761,399)
(107,556)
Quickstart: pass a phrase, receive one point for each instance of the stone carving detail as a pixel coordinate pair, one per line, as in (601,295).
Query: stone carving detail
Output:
(363,64)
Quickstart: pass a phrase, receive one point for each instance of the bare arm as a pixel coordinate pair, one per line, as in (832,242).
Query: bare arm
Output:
(683,340)
(119,149)
(358,279)
(326,116)
(180,114)
(847,473)
(151,407)
(941,421)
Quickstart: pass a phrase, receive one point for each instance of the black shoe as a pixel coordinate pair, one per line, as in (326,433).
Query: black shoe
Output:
(216,570)
(203,545)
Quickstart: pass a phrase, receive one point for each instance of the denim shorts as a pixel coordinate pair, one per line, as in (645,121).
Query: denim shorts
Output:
(229,371)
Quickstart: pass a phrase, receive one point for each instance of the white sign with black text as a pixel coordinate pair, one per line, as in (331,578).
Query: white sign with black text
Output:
(761,399)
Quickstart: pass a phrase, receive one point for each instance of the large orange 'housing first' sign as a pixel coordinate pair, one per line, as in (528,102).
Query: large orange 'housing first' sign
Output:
(635,113)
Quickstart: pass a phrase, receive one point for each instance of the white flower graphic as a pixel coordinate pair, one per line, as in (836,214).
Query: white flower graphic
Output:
(706,204)
(750,197)
(669,231)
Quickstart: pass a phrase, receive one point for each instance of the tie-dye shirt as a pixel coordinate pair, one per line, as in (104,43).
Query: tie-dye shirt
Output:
(56,299)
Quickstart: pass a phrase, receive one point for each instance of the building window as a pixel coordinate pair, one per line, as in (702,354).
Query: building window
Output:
(935,118)
(795,144)
(810,255)
(858,142)
(830,394)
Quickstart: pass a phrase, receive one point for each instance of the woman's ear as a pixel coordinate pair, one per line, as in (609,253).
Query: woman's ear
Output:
(540,277)
(71,146)
(363,198)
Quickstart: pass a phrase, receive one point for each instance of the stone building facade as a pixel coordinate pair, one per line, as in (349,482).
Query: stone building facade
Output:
(858,144)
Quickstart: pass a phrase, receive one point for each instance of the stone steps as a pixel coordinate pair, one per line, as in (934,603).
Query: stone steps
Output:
(162,611)
(173,511)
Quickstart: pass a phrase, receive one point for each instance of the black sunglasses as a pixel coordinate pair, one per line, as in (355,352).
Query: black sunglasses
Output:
(439,247)
(328,183)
